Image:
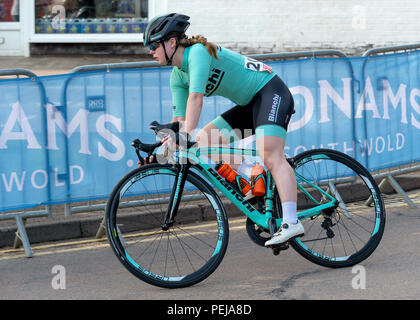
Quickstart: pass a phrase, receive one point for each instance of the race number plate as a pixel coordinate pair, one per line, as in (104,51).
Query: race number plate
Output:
(255,65)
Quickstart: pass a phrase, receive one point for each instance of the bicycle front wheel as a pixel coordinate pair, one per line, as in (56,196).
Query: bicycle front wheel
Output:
(348,233)
(183,255)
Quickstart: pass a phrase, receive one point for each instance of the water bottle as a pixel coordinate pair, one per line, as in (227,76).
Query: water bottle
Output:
(124,25)
(39,25)
(76,26)
(100,26)
(143,25)
(48,28)
(258,180)
(86,25)
(113,26)
(135,25)
(233,177)
(94,25)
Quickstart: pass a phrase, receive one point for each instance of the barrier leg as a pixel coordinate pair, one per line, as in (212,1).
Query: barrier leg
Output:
(341,203)
(67,210)
(381,186)
(394,184)
(21,234)
(101,231)
(400,190)
(18,242)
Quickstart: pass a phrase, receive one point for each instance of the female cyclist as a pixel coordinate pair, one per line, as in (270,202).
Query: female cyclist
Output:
(264,104)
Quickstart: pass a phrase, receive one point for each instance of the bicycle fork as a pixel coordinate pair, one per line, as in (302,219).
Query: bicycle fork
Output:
(175,197)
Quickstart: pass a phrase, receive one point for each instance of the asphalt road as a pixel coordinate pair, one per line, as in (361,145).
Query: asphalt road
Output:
(89,270)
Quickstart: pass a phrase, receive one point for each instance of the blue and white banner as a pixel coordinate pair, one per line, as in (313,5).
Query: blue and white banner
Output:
(67,138)
(368,108)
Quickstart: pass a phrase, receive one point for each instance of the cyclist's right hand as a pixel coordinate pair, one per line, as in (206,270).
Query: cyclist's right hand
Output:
(154,158)
(151,159)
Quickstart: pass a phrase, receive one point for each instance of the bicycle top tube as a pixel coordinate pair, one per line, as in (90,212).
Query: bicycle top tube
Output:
(199,151)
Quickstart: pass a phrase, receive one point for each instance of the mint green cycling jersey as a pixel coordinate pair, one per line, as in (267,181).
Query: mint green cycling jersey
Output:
(232,75)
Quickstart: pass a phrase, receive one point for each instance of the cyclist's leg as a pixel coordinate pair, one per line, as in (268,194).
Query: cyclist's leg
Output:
(271,151)
(233,125)
(273,108)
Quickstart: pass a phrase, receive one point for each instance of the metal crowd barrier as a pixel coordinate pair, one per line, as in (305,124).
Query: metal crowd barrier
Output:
(387,177)
(21,216)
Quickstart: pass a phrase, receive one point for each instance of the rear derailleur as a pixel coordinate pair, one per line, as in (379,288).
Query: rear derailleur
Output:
(327,224)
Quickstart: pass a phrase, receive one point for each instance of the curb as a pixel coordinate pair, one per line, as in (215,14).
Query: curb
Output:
(53,231)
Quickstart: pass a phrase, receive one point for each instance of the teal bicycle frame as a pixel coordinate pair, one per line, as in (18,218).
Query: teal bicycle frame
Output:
(262,220)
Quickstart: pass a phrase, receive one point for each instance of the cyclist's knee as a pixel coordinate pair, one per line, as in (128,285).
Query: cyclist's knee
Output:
(202,138)
(271,153)
(271,160)
(209,136)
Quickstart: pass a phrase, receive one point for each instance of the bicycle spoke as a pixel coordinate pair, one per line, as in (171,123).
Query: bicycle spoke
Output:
(180,242)
(195,237)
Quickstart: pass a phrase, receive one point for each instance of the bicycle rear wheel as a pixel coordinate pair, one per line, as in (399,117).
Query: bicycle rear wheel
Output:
(185,254)
(350,232)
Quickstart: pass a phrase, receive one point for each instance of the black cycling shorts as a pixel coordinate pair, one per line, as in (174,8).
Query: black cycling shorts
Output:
(268,114)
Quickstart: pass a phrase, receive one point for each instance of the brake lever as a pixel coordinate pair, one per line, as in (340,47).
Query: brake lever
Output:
(147,148)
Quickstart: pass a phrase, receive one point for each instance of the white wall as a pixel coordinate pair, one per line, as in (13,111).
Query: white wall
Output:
(281,25)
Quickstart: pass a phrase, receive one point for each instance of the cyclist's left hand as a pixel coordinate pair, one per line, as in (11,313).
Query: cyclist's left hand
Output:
(169,143)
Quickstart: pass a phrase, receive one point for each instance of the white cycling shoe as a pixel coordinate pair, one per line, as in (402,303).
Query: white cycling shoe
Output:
(285,233)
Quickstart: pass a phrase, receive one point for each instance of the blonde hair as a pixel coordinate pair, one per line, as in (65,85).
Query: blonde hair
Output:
(188,42)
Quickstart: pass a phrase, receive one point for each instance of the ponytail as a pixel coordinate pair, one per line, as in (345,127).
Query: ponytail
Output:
(188,42)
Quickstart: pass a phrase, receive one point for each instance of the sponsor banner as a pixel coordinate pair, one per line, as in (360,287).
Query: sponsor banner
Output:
(67,138)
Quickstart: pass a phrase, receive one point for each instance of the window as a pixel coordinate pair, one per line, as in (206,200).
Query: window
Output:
(90,16)
(9,10)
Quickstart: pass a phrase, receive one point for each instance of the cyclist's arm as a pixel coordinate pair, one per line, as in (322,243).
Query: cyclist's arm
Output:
(199,61)
(194,106)
(179,119)
(179,90)
(187,106)
(188,90)
(193,111)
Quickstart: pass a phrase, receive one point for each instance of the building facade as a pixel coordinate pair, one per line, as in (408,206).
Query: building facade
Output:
(248,26)
(24,24)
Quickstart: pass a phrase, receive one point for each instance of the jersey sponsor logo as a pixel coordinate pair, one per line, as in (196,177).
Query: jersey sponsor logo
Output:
(214,80)
(272,116)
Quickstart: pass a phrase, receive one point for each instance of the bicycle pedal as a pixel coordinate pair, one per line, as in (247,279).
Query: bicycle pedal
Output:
(279,247)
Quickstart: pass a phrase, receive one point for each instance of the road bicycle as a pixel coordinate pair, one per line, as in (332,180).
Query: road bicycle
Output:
(168,223)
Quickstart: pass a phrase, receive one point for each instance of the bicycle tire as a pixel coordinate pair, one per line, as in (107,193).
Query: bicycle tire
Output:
(195,245)
(353,226)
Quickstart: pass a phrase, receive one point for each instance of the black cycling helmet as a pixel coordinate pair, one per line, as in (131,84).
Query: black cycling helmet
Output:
(161,28)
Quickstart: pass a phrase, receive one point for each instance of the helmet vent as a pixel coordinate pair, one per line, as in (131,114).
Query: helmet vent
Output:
(161,27)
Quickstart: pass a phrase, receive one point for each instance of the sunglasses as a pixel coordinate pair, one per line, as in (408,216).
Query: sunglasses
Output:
(154,45)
